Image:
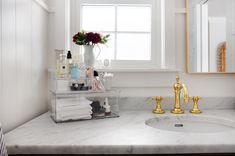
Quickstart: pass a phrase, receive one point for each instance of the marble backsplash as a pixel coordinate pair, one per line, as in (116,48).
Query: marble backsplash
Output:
(145,103)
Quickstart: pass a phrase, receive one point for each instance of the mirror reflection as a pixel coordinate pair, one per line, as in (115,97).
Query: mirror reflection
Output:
(211,36)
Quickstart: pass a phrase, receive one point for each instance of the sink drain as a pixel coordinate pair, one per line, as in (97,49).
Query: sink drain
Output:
(179,125)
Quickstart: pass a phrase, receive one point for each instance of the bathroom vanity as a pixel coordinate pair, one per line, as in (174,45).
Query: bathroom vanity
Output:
(139,131)
(131,133)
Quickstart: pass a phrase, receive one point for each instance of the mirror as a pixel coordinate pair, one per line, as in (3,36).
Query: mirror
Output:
(210,36)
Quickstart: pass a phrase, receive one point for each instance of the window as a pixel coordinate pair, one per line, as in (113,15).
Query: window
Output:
(132,28)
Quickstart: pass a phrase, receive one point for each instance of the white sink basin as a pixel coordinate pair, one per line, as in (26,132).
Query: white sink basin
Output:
(191,124)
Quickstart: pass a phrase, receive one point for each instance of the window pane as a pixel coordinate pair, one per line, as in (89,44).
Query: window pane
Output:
(107,50)
(131,18)
(98,18)
(133,46)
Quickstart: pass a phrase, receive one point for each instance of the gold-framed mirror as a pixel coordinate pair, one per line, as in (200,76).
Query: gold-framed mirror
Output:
(210,39)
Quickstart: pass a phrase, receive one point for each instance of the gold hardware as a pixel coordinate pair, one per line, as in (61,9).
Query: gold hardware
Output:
(195,109)
(158,109)
(177,90)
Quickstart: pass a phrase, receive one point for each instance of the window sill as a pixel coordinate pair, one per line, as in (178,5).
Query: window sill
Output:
(137,70)
(130,70)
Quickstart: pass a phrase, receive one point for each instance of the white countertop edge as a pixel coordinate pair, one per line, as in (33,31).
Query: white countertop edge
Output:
(134,137)
(123,149)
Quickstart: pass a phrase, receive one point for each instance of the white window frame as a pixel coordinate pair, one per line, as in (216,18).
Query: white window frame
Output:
(157,32)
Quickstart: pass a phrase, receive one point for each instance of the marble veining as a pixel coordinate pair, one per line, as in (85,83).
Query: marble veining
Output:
(127,134)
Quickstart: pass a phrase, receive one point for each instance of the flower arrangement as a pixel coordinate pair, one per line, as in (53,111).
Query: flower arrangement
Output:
(89,38)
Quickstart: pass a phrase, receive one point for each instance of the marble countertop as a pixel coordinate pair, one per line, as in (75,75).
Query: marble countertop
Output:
(127,134)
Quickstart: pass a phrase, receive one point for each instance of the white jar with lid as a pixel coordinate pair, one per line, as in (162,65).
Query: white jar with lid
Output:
(108,81)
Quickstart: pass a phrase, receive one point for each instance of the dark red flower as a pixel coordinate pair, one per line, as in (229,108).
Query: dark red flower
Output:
(90,38)
(75,37)
(97,38)
(94,38)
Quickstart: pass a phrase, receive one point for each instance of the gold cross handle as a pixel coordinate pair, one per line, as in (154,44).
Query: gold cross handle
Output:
(158,109)
(195,109)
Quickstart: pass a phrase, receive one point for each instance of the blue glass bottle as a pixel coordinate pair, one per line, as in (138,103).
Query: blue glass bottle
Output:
(75,73)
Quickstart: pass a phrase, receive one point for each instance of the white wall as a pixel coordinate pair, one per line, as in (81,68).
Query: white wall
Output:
(23,60)
(158,83)
(56,21)
(45,1)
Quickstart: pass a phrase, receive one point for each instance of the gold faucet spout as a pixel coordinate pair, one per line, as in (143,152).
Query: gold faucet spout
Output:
(177,90)
(186,94)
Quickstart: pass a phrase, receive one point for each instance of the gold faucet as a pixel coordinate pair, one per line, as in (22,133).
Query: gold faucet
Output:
(177,90)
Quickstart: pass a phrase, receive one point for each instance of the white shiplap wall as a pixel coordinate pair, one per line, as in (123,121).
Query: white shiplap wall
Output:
(23,61)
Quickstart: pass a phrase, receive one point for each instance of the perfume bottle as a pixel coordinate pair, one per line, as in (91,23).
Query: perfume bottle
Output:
(70,61)
(63,67)
(107,107)
(69,57)
(75,72)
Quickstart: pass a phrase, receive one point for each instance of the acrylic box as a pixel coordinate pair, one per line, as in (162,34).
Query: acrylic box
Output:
(83,105)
